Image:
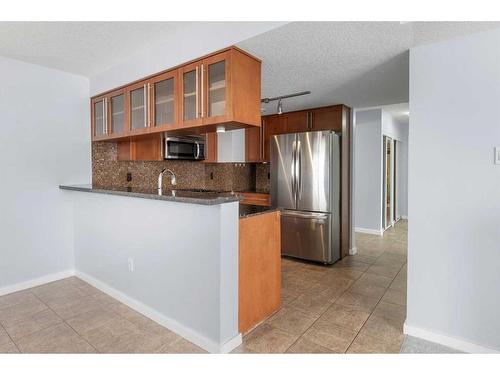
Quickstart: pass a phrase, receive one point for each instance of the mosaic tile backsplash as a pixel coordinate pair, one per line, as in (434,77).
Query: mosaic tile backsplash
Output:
(107,171)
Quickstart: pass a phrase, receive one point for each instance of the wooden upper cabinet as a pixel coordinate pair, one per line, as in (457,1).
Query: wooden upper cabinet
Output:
(274,124)
(98,116)
(117,117)
(220,89)
(253,144)
(164,93)
(295,122)
(190,94)
(216,99)
(211,148)
(327,118)
(138,108)
(109,119)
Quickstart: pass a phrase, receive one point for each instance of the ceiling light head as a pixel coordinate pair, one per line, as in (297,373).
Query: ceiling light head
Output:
(280,107)
(220,129)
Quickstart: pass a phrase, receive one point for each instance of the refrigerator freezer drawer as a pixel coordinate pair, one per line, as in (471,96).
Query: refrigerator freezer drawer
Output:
(307,235)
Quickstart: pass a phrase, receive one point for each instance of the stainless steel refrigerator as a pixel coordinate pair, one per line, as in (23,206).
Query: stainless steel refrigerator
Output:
(305,184)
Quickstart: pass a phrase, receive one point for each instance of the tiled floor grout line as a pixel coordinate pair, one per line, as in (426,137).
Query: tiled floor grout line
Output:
(65,322)
(39,300)
(332,303)
(10,337)
(336,299)
(302,334)
(374,308)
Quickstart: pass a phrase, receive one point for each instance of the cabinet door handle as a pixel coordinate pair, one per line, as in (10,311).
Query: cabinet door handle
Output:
(145,106)
(149,104)
(105,117)
(202,92)
(196,94)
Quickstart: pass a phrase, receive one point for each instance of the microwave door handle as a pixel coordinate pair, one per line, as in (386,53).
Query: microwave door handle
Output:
(197,150)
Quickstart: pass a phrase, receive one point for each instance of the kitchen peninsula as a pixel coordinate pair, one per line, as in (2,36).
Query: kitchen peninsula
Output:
(173,261)
(178,258)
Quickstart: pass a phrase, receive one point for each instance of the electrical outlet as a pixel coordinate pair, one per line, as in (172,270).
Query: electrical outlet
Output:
(131,264)
(497,155)
(129,176)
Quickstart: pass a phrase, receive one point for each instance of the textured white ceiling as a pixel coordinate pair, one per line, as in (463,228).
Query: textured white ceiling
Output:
(89,48)
(361,64)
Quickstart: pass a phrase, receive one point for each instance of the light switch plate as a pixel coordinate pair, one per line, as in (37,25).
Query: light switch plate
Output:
(497,155)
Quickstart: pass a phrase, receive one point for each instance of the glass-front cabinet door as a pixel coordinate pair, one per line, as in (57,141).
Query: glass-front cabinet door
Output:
(117,118)
(191,92)
(163,92)
(138,104)
(99,120)
(216,96)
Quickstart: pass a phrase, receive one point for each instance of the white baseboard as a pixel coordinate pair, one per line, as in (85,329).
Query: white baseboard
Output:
(378,232)
(163,320)
(353,251)
(36,282)
(451,342)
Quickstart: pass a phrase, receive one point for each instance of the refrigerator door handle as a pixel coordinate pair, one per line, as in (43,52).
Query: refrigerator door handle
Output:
(305,215)
(293,172)
(299,171)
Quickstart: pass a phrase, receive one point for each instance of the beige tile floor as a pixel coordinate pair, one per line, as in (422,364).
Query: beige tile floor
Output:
(70,316)
(357,305)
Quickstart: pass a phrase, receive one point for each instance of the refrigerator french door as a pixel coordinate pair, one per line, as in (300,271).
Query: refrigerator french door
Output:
(305,184)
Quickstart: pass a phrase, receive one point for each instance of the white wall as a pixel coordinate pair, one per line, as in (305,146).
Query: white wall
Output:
(402,179)
(186,282)
(368,170)
(44,142)
(181,45)
(454,193)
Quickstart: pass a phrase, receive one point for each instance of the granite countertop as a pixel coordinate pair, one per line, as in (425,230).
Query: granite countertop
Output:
(247,210)
(184,196)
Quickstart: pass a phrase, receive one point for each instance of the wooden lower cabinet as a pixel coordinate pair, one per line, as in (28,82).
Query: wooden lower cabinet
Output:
(259,290)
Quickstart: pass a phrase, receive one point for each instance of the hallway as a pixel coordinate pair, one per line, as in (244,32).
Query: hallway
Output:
(357,305)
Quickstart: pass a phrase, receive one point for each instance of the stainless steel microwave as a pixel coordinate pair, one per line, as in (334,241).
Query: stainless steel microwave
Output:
(184,148)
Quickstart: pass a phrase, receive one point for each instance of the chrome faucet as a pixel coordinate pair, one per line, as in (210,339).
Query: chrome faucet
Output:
(173,179)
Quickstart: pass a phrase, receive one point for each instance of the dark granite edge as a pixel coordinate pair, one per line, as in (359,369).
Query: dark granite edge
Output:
(192,200)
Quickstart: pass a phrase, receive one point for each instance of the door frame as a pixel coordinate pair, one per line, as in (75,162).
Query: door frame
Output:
(388,223)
